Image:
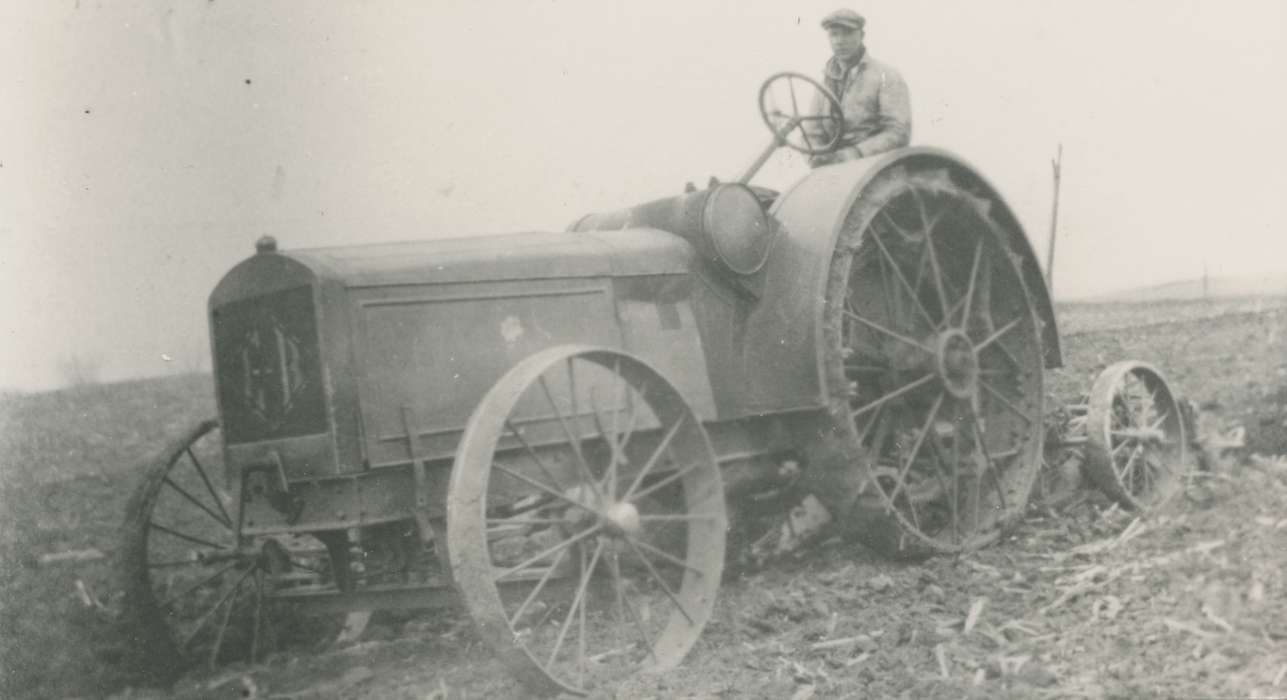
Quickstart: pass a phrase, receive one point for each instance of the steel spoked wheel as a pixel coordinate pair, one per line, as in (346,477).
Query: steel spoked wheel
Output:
(1135,448)
(195,591)
(939,351)
(585,520)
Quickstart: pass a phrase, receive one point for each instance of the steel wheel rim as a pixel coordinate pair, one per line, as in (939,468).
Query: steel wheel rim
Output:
(583,608)
(187,580)
(1136,440)
(196,591)
(940,350)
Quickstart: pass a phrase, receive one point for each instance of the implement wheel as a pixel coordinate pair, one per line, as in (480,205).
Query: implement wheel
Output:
(1135,449)
(936,341)
(195,591)
(585,520)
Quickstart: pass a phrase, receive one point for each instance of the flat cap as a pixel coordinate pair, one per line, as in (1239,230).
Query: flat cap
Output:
(844,17)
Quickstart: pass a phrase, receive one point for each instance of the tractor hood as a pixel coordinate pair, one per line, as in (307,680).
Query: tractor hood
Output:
(534,255)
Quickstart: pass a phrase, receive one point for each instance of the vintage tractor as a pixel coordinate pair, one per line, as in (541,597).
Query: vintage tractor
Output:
(546,427)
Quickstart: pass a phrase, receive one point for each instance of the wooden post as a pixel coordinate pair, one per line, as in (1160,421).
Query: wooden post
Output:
(1054,223)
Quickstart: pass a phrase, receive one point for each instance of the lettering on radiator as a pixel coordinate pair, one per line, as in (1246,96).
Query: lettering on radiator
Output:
(271,375)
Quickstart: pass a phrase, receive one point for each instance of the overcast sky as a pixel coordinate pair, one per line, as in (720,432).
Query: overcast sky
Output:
(144,146)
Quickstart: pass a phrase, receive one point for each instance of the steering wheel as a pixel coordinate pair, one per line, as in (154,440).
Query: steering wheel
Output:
(790,127)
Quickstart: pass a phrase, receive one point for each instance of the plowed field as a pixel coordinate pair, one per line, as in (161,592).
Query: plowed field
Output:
(1081,600)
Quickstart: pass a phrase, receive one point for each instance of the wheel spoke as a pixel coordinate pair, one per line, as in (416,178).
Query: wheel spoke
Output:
(576,414)
(554,549)
(209,487)
(910,386)
(864,369)
(997,335)
(192,499)
(1139,412)
(935,268)
(1004,401)
(577,601)
(947,317)
(575,441)
(170,564)
(922,264)
(1157,424)
(624,601)
(969,289)
(536,590)
(661,483)
(956,487)
(670,558)
(617,454)
(526,521)
(580,638)
(987,457)
(916,448)
(898,273)
(1005,353)
(633,422)
(634,546)
(169,600)
(889,297)
(653,459)
(538,485)
(893,334)
(184,536)
(258,618)
(600,428)
(535,457)
(677,517)
(1125,473)
(223,625)
(866,428)
(201,621)
(889,221)
(1151,470)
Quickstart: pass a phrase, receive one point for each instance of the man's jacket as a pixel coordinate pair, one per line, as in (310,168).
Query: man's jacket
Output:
(877,109)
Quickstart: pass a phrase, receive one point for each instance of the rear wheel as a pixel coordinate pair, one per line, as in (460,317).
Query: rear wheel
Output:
(196,592)
(936,342)
(585,520)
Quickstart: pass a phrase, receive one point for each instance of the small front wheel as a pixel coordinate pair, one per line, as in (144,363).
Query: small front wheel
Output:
(585,520)
(1135,448)
(197,591)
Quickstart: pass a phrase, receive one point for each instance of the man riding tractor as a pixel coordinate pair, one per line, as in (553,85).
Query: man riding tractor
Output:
(876,108)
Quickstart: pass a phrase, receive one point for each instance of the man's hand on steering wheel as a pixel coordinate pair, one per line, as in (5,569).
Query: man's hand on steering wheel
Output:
(793,123)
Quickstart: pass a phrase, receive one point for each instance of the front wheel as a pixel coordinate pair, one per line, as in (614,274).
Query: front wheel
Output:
(196,590)
(585,520)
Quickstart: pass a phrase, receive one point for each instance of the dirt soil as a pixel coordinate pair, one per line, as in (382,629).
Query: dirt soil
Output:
(1081,600)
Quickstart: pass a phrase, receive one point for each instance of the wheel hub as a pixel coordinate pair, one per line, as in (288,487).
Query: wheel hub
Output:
(957,363)
(622,518)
